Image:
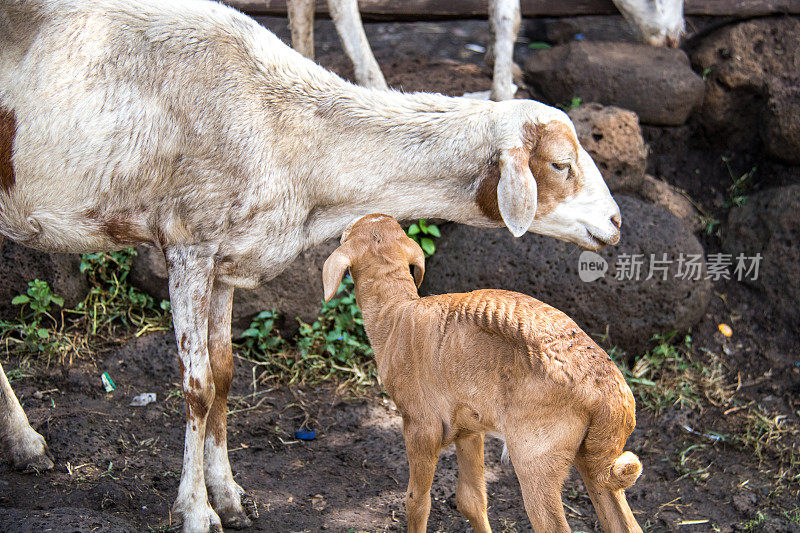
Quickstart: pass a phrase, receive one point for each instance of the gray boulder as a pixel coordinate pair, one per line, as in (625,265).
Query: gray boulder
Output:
(20,265)
(547,269)
(613,138)
(752,78)
(769,224)
(656,83)
(297,292)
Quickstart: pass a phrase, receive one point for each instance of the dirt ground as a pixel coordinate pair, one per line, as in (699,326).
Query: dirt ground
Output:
(118,467)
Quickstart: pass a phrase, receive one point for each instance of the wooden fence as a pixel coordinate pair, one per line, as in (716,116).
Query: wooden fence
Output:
(444,9)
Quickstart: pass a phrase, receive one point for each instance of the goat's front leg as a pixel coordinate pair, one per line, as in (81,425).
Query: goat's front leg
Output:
(24,445)
(351,31)
(301,23)
(504,20)
(190,281)
(227,496)
(422,448)
(471,491)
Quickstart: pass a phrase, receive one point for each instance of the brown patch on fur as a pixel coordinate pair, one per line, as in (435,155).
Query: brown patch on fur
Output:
(542,143)
(121,227)
(556,137)
(8,130)
(486,198)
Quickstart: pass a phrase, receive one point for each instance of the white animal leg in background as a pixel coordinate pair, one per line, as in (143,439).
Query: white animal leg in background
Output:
(301,22)
(351,31)
(504,20)
(24,445)
(226,495)
(658,22)
(190,282)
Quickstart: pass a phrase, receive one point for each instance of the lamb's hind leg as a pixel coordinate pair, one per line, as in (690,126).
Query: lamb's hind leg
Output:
(190,282)
(227,496)
(541,468)
(471,491)
(24,445)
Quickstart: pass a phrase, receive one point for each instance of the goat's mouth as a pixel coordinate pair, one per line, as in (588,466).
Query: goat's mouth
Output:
(593,242)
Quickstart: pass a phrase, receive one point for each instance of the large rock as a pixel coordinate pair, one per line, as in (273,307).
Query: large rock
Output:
(297,292)
(752,77)
(19,265)
(769,224)
(657,83)
(673,199)
(613,138)
(547,269)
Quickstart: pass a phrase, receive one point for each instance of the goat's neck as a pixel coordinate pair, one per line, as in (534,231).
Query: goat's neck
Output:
(380,293)
(409,156)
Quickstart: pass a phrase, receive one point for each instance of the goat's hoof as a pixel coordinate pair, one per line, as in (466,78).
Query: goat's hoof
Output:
(244,518)
(236,520)
(37,464)
(30,453)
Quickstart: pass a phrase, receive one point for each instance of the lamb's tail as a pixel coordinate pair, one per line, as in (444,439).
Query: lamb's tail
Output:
(624,471)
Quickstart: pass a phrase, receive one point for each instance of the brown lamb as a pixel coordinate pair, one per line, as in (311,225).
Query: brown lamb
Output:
(459,366)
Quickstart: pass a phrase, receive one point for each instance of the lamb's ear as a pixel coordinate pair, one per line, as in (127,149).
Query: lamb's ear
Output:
(333,270)
(516,191)
(417,262)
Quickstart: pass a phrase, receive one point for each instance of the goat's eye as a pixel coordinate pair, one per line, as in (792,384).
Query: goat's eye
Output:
(560,167)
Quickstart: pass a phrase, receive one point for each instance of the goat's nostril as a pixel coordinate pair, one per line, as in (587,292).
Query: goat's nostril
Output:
(616,219)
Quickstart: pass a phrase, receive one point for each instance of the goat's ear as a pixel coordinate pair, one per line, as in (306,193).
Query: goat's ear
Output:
(333,270)
(516,191)
(417,262)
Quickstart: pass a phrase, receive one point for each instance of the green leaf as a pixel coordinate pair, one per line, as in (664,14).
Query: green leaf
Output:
(423,225)
(43,333)
(427,246)
(539,46)
(58,300)
(20,300)
(413,229)
(434,230)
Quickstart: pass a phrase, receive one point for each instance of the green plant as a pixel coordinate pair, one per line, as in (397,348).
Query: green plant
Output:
(423,234)
(113,301)
(573,104)
(539,45)
(752,524)
(36,306)
(738,190)
(334,344)
(261,337)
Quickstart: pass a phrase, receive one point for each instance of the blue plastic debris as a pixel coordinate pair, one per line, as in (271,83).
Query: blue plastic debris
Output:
(578,36)
(305,434)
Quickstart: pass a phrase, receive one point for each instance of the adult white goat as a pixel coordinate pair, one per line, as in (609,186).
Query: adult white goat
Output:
(186,125)
(658,22)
